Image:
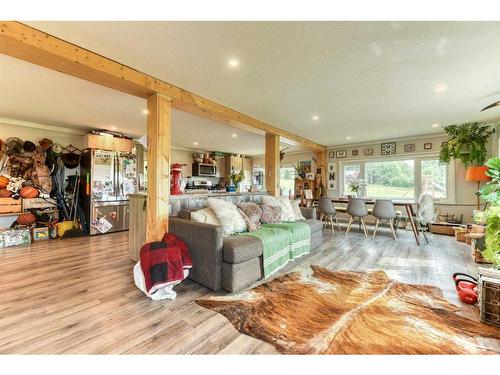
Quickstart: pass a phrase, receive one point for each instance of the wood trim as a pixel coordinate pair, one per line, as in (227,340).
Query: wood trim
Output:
(272,163)
(29,44)
(159,126)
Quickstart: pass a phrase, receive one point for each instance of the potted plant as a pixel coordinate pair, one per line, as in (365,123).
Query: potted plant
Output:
(236,178)
(356,186)
(301,171)
(468,143)
(489,280)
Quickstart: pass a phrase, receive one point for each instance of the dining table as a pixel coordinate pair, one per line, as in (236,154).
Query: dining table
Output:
(406,204)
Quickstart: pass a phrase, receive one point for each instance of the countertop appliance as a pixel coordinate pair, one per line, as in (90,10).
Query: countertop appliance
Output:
(108,177)
(204,170)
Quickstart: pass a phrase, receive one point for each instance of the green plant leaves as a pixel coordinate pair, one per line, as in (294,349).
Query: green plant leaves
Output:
(467,143)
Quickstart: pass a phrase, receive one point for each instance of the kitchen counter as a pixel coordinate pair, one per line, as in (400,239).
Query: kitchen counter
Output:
(210,194)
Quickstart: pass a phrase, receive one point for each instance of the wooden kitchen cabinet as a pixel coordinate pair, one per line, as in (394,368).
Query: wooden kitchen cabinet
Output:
(103,142)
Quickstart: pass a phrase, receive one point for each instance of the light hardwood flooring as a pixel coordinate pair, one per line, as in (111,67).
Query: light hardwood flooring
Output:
(78,295)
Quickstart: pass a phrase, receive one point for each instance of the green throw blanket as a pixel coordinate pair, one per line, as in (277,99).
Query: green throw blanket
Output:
(282,242)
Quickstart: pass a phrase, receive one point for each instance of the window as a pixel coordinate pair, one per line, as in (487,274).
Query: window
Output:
(394,178)
(390,179)
(351,172)
(433,178)
(287,180)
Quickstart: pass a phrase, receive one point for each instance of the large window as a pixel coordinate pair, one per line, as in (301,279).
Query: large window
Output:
(399,178)
(390,179)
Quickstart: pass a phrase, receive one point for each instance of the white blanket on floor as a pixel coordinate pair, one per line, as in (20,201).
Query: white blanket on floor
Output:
(165,291)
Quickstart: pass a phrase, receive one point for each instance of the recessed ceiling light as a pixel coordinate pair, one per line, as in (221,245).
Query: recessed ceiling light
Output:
(233,63)
(440,89)
(315,117)
(195,143)
(348,137)
(113,128)
(436,125)
(234,135)
(145,111)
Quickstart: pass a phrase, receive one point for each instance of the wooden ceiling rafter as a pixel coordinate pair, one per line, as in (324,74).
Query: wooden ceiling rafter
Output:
(29,44)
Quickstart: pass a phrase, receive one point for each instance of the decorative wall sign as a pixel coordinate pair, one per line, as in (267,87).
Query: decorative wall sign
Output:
(368,151)
(331,185)
(410,147)
(331,176)
(354,152)
(331,167)
(427,146)
(341,154)
(388,148)
(331,154)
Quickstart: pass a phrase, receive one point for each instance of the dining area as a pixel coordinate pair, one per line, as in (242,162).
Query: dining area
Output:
(419,214)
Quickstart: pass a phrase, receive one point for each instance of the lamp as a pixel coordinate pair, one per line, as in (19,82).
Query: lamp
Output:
(477,174)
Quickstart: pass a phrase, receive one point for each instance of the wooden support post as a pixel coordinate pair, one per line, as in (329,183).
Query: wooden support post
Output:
(273,164)
(321,165)
(159,115)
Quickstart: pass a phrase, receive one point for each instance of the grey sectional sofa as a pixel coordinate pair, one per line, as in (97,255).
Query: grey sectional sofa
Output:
(231,263)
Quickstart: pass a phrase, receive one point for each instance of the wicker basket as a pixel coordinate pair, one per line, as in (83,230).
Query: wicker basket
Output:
(460,234)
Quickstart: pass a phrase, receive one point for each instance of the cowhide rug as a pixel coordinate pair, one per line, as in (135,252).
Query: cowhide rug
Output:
(349,312)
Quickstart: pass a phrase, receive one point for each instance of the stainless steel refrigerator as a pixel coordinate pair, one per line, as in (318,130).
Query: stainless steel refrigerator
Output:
(107,178)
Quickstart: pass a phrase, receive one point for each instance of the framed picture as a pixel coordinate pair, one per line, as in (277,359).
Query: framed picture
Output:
(331,176)
(341,154)
(308,194)
(331,167)
(427,146)
(410,147)
(331,154)
(307,165)
(318,170)
(354,152)
(309,176)
(331,185)
(445,143)
(368,151)
(388,148)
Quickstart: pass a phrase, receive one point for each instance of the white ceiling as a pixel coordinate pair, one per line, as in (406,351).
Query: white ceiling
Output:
(366,80)
(32,93)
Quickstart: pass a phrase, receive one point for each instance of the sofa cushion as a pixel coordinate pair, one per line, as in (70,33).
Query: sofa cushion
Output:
(315,225)
(297,213)
(270,214)
(283,202)
(205,215)
(252,213)
(237,249)
(228,215)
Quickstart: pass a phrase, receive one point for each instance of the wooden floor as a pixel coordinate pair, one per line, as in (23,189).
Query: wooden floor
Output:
(78,295)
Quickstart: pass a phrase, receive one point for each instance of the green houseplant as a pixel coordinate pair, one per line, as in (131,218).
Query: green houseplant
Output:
(467,143)
(490,193)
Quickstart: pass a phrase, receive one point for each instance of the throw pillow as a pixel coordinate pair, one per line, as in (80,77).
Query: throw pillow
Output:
(251,212)
(283,202)
(229,217)
(205,215)
(296,210)
(270,214)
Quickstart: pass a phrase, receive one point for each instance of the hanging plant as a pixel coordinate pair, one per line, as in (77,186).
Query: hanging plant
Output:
(467,143)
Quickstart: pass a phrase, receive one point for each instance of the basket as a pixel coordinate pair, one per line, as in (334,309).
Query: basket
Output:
(442,228)
(460,234)
(10,205)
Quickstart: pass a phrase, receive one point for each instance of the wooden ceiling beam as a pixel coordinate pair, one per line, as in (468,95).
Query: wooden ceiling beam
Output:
(32,45)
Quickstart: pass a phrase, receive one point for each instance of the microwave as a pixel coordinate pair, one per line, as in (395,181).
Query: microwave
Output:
(204,170)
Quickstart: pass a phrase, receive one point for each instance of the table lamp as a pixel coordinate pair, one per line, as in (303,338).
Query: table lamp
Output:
(477,174)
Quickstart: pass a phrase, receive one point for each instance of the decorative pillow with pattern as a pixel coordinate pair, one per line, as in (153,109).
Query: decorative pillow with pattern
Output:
(270,214)
(252,213)
(229,216)
(296,210)
(283,202)
(205,215)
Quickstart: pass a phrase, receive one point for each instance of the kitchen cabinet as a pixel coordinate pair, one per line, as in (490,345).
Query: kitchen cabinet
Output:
(103,142)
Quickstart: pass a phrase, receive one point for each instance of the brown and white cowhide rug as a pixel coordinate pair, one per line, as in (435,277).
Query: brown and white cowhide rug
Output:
(348,312)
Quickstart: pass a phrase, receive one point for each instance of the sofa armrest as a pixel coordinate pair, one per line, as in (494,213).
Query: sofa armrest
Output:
(308,212)
(205,246)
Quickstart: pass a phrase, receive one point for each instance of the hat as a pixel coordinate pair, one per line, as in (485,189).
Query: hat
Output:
(70,160)
(45,143)
(29,146)
(57,148)
(13,145)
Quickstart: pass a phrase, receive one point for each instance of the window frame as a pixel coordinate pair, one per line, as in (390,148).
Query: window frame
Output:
(417,160)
